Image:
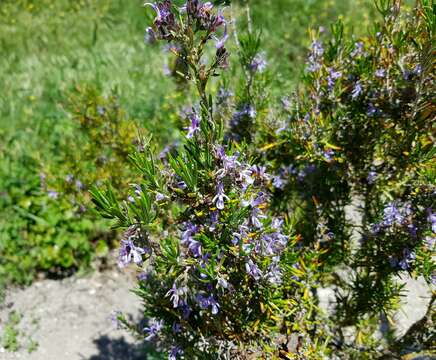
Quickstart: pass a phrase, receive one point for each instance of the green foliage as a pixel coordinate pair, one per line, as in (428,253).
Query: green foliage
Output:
(352,198)
(10,332)
(62,135)
(50,52)
(53,229)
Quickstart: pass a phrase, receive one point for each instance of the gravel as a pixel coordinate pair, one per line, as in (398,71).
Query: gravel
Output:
(71,319)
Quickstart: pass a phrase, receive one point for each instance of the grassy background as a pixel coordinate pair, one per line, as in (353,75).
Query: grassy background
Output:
(50,47)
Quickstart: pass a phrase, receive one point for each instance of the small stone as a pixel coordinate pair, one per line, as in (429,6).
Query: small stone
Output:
(414,304)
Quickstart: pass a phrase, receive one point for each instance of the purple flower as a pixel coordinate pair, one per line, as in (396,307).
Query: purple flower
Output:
(195,247)
(219,43)
(216,21)
(380,73)
(160,196)
(188,233)
(313,66)
(409,255)
(195,125)
(393,215)
(317,48)
(328,154)
(277,223)
(250,111)
(246,177)
(274,243)
(214,305)
(329,235)
(202,301)
(69,178)
(259,172)
(182,185)
(315,56)
(203,13)
(164,20)
(229,163)
(223,95)
(279,182)
(115,319)
(259,63)
(358,49)
(331,77)
(174,352)
(143,276)
(252,269)
(164,153)
(237,237)
(129,252)
(186,310)
(214,216)
(223,283)
(431,218)
(357,90)
(153,329)
(203,263)
(166,69)
(138,189)
(42,179)
(409,74)
(205,302)
(177,295)
(375,229)
(176,327)
(430,241)
(372,110)
(220,196)
(403,264)
(412,230)
(372,177)
(53,194)
(246,110)
(307,170)
(256,214)
(150,36)
(274,273)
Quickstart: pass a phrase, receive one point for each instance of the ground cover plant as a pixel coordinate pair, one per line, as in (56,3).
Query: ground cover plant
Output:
(235,228)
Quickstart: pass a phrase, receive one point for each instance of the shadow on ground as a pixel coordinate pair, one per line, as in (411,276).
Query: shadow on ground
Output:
(116,349)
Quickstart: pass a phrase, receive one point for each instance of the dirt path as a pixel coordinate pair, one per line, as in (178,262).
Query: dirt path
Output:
(71,319)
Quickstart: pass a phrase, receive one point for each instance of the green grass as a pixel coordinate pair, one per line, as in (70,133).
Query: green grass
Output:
(285,28)
(48,47)
(10,332)
(56,44)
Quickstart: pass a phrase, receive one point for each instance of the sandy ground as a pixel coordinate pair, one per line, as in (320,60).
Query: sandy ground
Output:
(71,319)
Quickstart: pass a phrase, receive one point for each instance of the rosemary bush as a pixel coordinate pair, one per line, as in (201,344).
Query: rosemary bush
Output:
(235,228)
